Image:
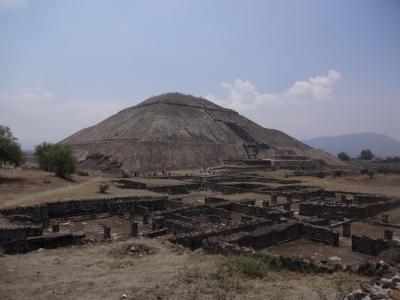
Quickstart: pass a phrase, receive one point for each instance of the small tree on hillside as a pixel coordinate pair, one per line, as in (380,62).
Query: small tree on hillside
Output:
(57,158)
(366,154)
(10,150)
(343,156)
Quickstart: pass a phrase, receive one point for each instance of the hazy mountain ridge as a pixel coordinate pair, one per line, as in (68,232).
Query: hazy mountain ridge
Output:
(380,144)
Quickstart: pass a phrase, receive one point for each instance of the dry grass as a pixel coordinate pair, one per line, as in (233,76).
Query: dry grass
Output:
(34,187)
(388,185)
(104,272)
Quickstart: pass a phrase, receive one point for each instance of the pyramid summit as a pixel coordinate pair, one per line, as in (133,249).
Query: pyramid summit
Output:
(177,131)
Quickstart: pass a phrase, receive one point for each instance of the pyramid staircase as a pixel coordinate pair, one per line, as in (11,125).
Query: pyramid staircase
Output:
(251,146)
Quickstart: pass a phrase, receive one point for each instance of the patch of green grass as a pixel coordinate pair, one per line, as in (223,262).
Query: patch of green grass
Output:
(241,266)
(250,266)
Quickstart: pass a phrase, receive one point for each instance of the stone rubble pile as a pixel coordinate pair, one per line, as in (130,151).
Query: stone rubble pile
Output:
(139,250)
(384,288)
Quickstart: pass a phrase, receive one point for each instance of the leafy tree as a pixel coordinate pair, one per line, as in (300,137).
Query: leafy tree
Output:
(43,153)
(10,150)
(343,156)
(57,158)
(366,154)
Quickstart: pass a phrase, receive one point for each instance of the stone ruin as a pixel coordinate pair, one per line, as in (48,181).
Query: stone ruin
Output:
(216,225)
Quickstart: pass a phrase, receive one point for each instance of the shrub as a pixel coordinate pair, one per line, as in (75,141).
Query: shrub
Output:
(343,156)
(366,154)
(338,173)
(371,174)
(10,150)
(250,266)
(43,155)
(57,158)
(103,187)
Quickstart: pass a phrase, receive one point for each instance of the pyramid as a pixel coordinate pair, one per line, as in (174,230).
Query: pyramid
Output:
(176,131)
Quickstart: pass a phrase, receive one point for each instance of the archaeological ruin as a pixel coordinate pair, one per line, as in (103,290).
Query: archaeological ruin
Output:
(198,213)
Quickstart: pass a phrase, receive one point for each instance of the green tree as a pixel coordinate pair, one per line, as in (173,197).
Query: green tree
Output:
(366,154)
(343,156)
(57,158)
(43,155)
(10,150)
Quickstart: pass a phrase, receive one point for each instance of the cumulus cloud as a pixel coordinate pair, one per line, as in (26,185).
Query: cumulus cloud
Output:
(35,114)
(243,95)
(12,4)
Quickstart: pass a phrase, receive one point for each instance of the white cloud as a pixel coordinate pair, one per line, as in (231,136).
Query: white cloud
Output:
(243,96)
(35,114)
(13,4)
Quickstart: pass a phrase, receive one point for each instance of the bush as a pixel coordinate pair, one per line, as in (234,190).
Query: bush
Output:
(338,173)
(43,155)
(343,156)
(366,154)
(57,158)
(250,266)
(10,150)
(371,174)
(103,187)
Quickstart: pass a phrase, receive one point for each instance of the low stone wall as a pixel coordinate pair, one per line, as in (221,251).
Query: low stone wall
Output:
(371,246)
(10,234)
(176,189)
(258,211)
(317,221)
(263,238)
(273,235)
(85,206)
(212,200)
(172,204)
(179,227)
(194,240)
(185,211)
(51,241)
(321,209)
(320,234)
(219,212)
(128,184)
(363,199)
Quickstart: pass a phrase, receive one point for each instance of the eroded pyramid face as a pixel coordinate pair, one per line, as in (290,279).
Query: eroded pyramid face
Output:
(175,131)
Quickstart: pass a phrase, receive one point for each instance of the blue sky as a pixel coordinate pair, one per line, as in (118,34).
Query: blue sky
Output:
(308,67)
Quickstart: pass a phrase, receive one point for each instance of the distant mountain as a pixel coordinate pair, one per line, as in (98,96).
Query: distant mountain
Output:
(381,145)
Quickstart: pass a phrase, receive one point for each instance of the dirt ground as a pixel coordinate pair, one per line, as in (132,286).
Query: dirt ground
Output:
(108,271)
(27,187)
(388,185)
